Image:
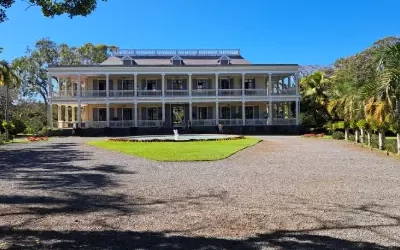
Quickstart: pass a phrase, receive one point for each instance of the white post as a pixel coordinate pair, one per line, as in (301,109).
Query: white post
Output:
(59,114)
(216,113)
(79,115)
(243,89)
(190,112)
(65,87)
(79,85)
(269,84)
(163,111)
(216,84)
(270,113)
(297,82)
(107,86)
(73,114)
(59,87)
(243,113)
(66,113)
(135,114)
(162,84)
(108,114)
(297,111)
(190,84)
(135,84)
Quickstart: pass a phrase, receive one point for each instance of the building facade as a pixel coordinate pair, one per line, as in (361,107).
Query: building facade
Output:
(174,88)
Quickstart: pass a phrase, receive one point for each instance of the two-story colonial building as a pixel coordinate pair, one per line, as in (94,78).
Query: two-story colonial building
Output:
(175,88)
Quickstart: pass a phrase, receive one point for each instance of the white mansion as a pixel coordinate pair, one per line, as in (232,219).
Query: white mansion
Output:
(174,88)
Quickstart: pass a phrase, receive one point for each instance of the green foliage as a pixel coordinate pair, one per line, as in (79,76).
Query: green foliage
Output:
(8,125)
(54,8)
(353,124)
(339,125)
(338,135)
(18,127)
(362,124)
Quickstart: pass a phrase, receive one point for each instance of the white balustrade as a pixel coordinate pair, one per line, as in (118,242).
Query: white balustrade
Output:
(122,124)
(122,93)
(255,122)
(203,92)
(149,123)
(289,91)
(94,93)
(179,52)
(96,124)
(205,122)
(149,93)
(231,122)
(284,121)
(230,92)
(176,92)
(255,92)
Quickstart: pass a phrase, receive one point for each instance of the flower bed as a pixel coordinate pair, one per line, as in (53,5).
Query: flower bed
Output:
(38,138)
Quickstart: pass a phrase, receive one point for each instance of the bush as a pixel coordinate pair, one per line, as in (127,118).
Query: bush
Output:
(33,126)
(19,127)
(338,125)
(362,124)
(338,135)
(2,138)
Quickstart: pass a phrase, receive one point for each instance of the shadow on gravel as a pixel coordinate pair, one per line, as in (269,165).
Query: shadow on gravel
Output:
(20,239)
(60,186)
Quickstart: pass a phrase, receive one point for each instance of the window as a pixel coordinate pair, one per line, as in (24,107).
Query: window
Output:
(249,111)
(202,113)
(151,85)
(102,84)
(201,83)
(225,113)
(151,113)
(224,60)
(249,84)
(102,114)
(225,83)
(177,84)
(127,84)
(176,60)
(127,114)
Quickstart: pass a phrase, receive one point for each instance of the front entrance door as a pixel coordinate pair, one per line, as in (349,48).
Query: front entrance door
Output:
(178,115)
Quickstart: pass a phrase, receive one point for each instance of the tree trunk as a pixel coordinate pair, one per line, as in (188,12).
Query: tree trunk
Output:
(6,114)
(346,134)
(398,143)
(362,135)
(369,137)
(381,140)
(356,139)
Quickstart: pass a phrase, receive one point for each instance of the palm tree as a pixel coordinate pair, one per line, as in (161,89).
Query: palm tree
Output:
(9,80)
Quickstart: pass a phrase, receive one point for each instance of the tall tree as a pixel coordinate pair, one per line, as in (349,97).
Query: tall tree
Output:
(9,80)
(54,8)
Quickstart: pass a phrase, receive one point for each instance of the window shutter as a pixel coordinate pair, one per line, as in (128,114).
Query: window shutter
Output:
(112,116)
(159,113)
(119,87)
(95,114)
(194,113)
(143,84)
(194,84)
(119,114)
(158,84)
(169,84)
(208,84)
(95,84)
(254,83)
(144,114)
(233,112)
(256,112)
(210,113)
(184,84)
(111,84)
(186,111)
(240,112)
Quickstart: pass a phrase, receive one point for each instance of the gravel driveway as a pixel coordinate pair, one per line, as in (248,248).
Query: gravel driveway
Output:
(283,193)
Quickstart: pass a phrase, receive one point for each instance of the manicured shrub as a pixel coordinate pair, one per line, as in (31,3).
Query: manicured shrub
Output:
(18,128)
(338,135)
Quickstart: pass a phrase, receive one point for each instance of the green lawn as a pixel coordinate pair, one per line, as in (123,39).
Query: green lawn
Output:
(179,151)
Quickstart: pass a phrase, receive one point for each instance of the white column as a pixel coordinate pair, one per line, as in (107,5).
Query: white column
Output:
(190,84)
(79,86)
(73,114)
(50,84)
(270,113)
(107,86)
(49,114)
(269,84)
(59,111)
(190,112)
(162,84)
(66,113)
(135,84)
(243,79)
(135,114)
(59,86)
(108,114)
(79,115)
(297,82)
(163,111)
(297,111)
(216,84)
(216,113)
(243,113)
(65,87)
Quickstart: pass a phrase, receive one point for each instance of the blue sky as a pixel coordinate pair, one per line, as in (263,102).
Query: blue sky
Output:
(266,31)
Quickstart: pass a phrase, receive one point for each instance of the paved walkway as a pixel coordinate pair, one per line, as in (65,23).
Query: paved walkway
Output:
(283,193)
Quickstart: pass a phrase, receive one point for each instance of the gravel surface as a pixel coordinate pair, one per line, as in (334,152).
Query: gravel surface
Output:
(283,193)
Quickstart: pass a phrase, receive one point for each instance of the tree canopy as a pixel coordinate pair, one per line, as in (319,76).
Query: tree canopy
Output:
(54,8)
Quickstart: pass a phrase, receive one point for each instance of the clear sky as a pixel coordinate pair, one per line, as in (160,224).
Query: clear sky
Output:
(266,31)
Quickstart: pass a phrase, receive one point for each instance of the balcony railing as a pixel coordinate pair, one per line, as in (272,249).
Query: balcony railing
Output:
(149,123)
(122,93)
(255,122)
(96,124)
(122,124)
(149,93)
(255,92)
(201,122)
(229,92)
(94,93)
(176,92)
(203,92)
(289,91)
(231,122)
(284,121)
